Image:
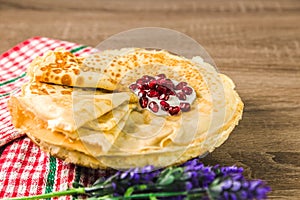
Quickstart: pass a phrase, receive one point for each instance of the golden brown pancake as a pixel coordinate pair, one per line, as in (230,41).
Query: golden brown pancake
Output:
(110,129)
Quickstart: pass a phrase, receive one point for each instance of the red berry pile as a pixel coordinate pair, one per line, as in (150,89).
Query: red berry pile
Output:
(154,93)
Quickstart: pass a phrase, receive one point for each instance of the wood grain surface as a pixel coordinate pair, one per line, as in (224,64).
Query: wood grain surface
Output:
(256,43)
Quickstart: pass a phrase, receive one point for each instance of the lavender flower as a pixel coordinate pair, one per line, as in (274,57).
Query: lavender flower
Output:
(191,180)
(230,183)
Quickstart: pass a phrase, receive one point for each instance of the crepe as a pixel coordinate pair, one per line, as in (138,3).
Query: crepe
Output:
(63,68)
(111,118)
(111,69)
(66,113)
(95,131)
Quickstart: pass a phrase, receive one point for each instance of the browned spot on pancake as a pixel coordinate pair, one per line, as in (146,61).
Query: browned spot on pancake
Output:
(49,86)
(43,68)
(52,92)
(80,81)
(118,75)
(65,92)
(76,71)
(120,62)
(112,74)
(33,87)
(47,73)
(44,91)
(66,79)
(113,81)
(47,79)
(96,56)
(79,61)
(134,57)
(105,70)
(51,76)
(57,71)
(119,70)
(85,68)
(112,64)
(56,78)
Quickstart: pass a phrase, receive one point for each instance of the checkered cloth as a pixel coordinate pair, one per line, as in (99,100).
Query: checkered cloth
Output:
(24,168)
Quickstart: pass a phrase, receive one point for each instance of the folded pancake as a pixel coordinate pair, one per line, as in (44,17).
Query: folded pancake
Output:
(64,68)
(111,69)
(110,119)
(98,142)
(35,123)
(66,113)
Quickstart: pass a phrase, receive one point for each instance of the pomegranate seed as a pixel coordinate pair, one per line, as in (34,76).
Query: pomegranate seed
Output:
(185,107)
(153,106)
(170,92)
(164,97)
(147,78)
(152,84)
(133,87)
(187,90)
(162,89)
(173,110)
(161,75)
(165,105)
(181,96)
(144,87)
(153,93)
(142,93)
(180,85)
(143,102)
(160,81)
(140,81)
(168,83)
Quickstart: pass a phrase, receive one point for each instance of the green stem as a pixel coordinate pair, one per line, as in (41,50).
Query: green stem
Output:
(74,191)
(150,195)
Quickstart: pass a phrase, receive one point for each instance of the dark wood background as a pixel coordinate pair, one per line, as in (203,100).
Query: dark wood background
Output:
(256,43)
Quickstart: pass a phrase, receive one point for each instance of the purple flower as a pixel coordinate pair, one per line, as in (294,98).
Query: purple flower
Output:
(193,179)
(236,187)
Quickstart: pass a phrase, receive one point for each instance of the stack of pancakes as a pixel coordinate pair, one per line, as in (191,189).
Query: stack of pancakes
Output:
(81,109)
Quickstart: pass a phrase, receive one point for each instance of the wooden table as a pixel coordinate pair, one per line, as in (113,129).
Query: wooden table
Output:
(256,43)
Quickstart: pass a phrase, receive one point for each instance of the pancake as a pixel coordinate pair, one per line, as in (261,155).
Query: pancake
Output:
(110,129)
(110,119)
(66,113)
